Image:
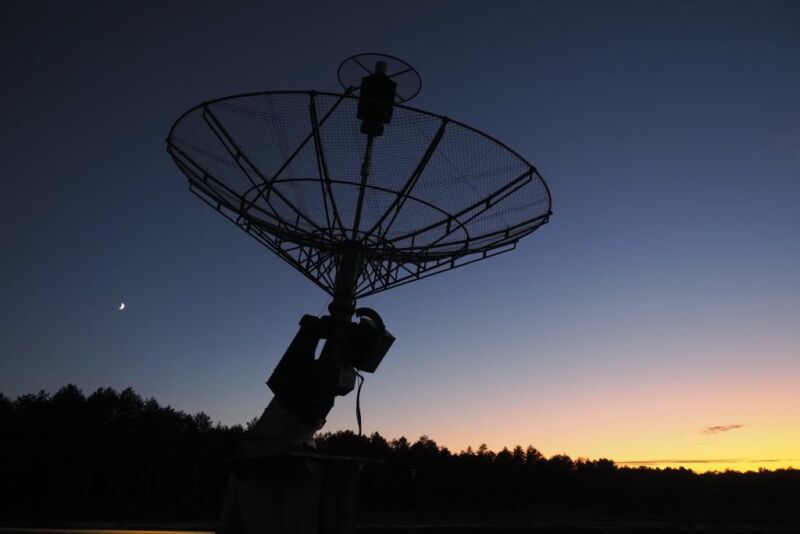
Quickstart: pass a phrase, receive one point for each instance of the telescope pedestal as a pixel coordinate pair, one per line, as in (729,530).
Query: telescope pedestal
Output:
(277,485)
(292,493)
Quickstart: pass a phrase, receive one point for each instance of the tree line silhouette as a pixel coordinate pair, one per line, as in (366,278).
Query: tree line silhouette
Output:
(112,456)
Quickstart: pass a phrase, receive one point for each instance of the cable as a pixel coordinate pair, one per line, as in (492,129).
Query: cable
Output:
(358,401)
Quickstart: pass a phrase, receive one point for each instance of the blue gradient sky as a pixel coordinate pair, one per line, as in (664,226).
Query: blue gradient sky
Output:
(663,297)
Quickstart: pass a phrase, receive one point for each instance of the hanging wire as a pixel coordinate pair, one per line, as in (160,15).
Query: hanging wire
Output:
(358,401)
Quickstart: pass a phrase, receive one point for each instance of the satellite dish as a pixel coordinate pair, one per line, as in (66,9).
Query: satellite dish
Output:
(359,193)
(295,170)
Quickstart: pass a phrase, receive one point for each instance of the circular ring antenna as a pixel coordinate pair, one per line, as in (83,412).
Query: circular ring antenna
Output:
(295,171)
(353,69)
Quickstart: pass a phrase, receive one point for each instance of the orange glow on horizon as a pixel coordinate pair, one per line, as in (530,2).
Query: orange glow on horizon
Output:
(739,421)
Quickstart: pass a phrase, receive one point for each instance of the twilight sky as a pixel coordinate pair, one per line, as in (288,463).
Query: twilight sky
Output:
(655,319)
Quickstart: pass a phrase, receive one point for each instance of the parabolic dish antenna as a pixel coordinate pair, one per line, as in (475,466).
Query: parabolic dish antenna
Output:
(298,172)
(361,194)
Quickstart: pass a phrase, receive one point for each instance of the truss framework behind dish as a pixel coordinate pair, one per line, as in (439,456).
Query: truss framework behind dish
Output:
(386,263)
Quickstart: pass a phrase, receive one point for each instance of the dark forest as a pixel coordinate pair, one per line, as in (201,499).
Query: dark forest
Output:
(112,456)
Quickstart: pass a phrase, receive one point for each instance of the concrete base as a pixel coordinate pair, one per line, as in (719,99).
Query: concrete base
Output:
(292,493)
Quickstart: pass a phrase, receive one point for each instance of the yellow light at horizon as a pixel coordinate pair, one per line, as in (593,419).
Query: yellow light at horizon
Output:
(740,422)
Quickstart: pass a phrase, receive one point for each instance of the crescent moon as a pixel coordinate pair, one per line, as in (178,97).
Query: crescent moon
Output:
(121,306)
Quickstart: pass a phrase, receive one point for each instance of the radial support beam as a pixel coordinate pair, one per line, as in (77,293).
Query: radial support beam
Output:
(399,201)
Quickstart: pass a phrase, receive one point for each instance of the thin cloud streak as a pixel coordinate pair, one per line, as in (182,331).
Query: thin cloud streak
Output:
(720,428)
(708,461)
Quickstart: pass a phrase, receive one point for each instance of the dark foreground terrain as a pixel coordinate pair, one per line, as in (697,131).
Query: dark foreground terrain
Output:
(575,525)
(114,460)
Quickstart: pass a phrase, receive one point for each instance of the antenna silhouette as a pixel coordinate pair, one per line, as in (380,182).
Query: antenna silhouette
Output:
(359,193)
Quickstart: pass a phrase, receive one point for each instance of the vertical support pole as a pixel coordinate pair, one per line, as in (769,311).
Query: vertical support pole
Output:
(343,305)
(342,309)
(365,170)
